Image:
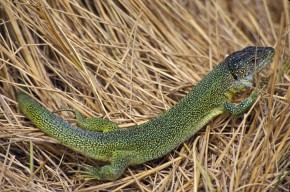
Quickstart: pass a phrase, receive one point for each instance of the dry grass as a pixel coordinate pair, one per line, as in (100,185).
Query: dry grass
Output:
(129,61)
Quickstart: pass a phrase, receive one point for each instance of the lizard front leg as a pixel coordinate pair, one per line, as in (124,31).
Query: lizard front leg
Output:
(236,109)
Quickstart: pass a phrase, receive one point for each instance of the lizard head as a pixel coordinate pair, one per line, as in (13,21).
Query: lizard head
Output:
(245,63)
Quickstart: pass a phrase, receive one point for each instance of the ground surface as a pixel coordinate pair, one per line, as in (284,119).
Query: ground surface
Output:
(129,61)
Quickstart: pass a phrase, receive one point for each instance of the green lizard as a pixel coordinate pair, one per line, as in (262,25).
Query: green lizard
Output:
(151,140)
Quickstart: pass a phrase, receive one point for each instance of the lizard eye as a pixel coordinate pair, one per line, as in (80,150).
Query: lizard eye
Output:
(235,76)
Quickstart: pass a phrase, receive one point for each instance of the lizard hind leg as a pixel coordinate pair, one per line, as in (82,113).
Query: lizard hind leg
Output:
(95,124)
(113,171)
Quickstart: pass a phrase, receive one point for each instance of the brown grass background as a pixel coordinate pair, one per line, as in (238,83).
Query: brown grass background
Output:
(128,61)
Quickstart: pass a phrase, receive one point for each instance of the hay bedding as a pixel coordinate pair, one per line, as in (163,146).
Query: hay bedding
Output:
(129,61)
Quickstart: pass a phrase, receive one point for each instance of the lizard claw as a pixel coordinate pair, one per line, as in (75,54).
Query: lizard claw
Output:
(86,172)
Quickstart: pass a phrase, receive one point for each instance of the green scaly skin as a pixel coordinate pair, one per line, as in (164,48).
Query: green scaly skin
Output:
(136,145)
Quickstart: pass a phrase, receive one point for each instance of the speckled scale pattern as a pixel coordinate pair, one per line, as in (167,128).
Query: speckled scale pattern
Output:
(123,147)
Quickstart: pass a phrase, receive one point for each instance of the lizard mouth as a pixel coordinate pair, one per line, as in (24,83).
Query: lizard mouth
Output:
(267,56)
(263,58)
(247,62)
